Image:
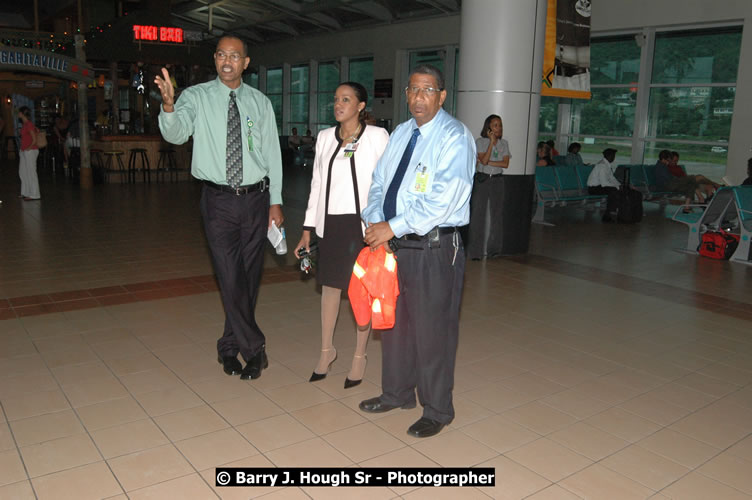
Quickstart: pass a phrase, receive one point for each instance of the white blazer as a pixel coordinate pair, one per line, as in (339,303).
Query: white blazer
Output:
(370,147)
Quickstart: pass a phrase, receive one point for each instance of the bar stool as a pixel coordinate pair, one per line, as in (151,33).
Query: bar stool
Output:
(97,164)
(167,163)
(108,165)
(11,146)
(139,154)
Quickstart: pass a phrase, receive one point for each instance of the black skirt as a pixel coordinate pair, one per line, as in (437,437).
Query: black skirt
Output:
(338,250)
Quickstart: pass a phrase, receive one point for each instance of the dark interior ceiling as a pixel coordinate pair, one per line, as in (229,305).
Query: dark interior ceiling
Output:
(255,21)
(269,20)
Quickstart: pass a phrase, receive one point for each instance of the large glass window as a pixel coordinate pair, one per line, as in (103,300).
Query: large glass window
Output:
(614,61)
(299,98)
(251,79)
(687,108)
(607,119)
(327,84)
(697,56)
(432,57)
(692,97)
(549,112)
(274,93)
(361,71)
(609,112)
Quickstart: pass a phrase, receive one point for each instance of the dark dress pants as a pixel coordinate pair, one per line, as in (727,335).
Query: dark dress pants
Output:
(236,229)
(420,350)
(486,203)
(611,193)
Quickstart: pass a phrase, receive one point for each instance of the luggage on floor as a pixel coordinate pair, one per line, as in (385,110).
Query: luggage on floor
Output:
(628,205)
(718,245)
(628,202)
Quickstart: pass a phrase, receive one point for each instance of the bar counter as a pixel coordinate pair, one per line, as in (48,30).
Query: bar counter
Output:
(151,143)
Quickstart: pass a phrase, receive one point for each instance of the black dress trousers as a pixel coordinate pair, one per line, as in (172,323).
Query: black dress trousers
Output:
(236,228)
(420,350)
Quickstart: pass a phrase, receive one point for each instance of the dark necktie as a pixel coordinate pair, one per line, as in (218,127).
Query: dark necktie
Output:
(390,200)
(234,145)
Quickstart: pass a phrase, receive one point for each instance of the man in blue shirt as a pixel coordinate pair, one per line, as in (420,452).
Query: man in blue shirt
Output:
(419,195)
(236,154)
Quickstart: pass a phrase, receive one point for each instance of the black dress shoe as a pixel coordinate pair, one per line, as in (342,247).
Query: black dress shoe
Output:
(253,369)
(375,405)
(425,427)
(230,364)
(352,383)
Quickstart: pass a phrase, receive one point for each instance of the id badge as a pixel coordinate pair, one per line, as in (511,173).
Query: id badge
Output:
(421,179)
(350,149)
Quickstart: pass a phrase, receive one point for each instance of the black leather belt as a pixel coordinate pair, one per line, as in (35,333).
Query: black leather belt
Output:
(430,235)
(261,185)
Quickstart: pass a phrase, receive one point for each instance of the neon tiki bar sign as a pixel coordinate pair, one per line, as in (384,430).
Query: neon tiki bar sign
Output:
(157,34)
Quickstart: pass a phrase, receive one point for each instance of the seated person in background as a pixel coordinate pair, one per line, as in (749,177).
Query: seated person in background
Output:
(544,155)
(294,141)
(685,184)
(308,139)
(602,181)
(552,145)
(748,180)
(573,155)
(708,187)
(307,146)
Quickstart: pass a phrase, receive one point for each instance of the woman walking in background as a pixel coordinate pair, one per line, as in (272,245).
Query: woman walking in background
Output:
(27,166)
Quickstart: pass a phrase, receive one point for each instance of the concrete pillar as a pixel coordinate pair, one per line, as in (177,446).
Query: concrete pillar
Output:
(500,72)
(501,68)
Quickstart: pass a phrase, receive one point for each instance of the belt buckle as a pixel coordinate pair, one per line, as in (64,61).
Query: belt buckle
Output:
(263,185)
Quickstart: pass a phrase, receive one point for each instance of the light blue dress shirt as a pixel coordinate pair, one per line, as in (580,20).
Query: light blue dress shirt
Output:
(439,179)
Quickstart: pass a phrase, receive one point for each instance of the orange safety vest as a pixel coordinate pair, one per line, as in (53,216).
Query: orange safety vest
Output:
(374,288)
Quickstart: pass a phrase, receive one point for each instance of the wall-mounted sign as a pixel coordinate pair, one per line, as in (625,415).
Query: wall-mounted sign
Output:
(49,63)
(157,34)
(382,88)
(34,84)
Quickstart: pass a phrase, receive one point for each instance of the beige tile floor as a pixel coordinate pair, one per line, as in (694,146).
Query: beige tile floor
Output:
(583,370)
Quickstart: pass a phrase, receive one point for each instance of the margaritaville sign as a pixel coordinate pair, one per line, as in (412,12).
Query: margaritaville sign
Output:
(39,61)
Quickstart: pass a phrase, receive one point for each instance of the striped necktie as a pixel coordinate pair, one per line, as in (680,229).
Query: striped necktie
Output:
(234,145)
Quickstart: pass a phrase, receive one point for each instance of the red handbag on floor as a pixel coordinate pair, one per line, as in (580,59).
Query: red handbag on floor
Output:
(718,245)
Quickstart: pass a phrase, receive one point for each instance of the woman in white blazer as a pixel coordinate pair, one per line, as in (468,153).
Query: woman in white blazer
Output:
(346,156)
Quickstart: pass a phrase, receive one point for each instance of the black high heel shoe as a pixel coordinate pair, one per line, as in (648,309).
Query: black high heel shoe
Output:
(315,377)
(352,383)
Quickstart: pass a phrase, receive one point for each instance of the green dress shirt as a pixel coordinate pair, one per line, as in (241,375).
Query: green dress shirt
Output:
(201,112)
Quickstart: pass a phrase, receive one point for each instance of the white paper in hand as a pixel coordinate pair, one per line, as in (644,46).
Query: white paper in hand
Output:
(274,235)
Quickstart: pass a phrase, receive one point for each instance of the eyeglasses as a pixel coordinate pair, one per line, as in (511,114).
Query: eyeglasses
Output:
(430,91)
(234,56)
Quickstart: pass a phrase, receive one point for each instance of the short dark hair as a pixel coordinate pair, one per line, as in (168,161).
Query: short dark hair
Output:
(665,154)
(749,167)
(360,93)
(24,110)
(573,146)
(487,124)
(429,69)
(551,143)
(674,153)
(245,45)
(609,152)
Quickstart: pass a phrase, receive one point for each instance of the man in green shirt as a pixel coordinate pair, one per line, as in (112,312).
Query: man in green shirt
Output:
(236,154)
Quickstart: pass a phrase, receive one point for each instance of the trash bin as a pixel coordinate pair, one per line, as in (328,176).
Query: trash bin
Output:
(517,213)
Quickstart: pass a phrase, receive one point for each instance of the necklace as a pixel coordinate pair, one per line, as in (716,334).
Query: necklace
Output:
(350,138)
